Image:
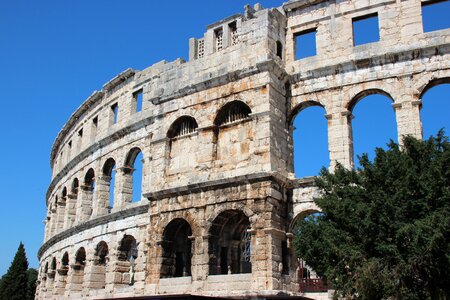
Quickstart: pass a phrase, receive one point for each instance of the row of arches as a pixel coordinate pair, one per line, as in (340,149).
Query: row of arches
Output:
(373,123)
(97,193)
(229,247)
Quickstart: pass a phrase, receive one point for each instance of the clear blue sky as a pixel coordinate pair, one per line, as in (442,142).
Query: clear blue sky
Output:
(53,55)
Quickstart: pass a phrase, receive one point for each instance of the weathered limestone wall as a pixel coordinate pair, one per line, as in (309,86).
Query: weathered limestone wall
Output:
(225,163)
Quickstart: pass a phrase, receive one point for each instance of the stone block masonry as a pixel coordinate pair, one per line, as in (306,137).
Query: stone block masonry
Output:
(213,139)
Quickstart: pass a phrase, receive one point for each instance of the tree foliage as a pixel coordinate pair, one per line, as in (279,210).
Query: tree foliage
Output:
(384,230)
(19,282)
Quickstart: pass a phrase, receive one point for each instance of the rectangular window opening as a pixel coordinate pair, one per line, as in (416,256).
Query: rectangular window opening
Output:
(233,33)
(305,44)
(435,15)
(138,100)
(218,34)
(365,29)
(115,112)
(80,133)
(94,127)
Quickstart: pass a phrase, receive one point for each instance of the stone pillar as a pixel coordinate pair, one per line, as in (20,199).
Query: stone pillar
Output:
(94,274)
(52,220)
(75,281)
(124,180)
(50,283)
(60,214)
(110,276)
(407,114)
(60,281)
(71,207)
(84,209)
(340,139)
(101,205)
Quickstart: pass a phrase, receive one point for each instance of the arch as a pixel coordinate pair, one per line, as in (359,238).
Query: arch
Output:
(364,93)
(434,108)
(176,249)
(131,156)
(229,245)
(128,248)
(300,107)
(80,258)
(109,179)
(64,192)
(432,83)
(101,254)
(65,260)
(301,215)
(53,264)
(108,167)
(74,186)
(365,122)
(46,267)
(309,132)
(184,125)
(231,112)
(89,178)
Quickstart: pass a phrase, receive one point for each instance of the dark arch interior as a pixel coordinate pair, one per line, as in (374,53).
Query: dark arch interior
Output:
(80,257)
(231,112)
(108,167)
(182,126)
(89,179)
(176,247)
(230,244)
(65,260)
(75,185)
(53,265)
(131,157)
(128,248)
(101,253)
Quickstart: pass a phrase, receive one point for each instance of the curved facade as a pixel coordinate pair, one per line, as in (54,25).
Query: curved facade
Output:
(210,143)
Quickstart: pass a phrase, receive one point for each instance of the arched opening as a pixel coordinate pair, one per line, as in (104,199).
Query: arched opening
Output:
(101,254)
(435,108)
(64,192)
(127,256)
(88,194)
(65,262)
(98,280)
(182,126)
(176,246)
(374,123)
(308,279)
(182,148)
(53,264)
(134,169)
(232,112)
(233,135)
(109,178)
(309,131)
(230,244)
(78,269)
(74,186)
(62,272)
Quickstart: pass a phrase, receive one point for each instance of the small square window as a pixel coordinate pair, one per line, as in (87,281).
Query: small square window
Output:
(137,96)
(305,44)
(435,15)
(365,29)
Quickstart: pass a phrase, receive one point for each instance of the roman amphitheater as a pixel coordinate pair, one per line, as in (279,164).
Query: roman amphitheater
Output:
(210,141)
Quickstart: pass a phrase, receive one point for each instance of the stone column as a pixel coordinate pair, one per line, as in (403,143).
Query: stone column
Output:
(94,274)
(407,114)
(124,180)
(60,281)
(340,139)
(101,205)
(71,206)
(74,280)
(60,214)
(52,220)
(84,209)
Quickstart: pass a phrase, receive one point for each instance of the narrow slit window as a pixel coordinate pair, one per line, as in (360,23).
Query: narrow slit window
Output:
(435,15)
(305,44)
(138,100)
(365,29)
(115,112)
(94,126)
(201,48)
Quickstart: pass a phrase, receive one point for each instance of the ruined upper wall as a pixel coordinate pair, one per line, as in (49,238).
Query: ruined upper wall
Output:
(254,39)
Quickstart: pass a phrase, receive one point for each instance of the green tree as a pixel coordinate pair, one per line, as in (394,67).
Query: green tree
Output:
(384,229)
(14,284)
(31,283)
